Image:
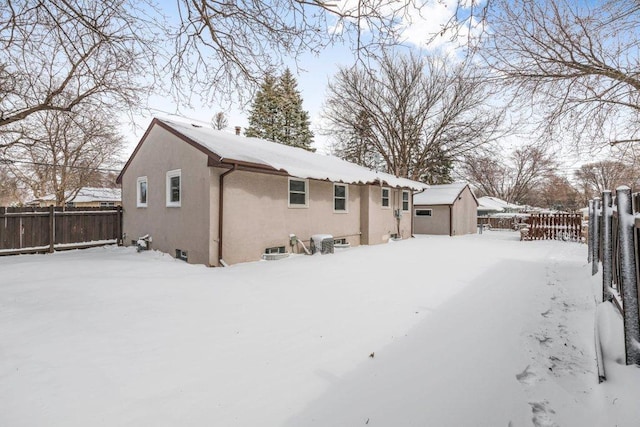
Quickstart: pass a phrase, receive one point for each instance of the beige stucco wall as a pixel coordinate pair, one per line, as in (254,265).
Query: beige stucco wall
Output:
(171,228)
(257,216)
(465,214)
(437,223)
(378,222)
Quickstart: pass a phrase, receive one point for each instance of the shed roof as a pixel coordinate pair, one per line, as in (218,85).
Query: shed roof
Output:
(228,149)
(488,203)
(445,194)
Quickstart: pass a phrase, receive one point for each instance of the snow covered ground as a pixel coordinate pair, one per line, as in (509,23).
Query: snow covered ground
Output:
(480,330)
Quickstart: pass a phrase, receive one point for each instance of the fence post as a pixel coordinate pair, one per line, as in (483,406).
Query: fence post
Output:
(626,230)
(607,245)
(596,237)
(119,239)
(590,235)
(52,228)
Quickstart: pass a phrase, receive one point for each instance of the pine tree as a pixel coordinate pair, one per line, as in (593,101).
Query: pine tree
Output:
(356,146)
(277,113)
(263,116)
(295,121)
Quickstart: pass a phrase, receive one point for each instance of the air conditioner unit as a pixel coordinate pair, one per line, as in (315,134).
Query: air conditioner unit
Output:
(322,243)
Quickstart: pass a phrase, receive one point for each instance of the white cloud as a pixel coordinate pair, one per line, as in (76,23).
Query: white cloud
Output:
(434,26)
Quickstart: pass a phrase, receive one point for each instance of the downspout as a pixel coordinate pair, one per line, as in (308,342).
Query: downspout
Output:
(221,210)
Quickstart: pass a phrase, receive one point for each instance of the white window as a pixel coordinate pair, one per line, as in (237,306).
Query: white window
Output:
(340,197)
(405,201)
(385,197)
(424,212)
(298,193)
(141,192)
(174,188)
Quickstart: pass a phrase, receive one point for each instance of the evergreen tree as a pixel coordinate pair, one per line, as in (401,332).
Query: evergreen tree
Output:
(277,114)
(263,116)
(356,145)
(294,120)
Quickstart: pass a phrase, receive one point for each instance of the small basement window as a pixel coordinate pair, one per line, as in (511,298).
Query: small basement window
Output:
(339,241)
(180,254)
(424,212)
(107,204)
(275,250)
(385,197)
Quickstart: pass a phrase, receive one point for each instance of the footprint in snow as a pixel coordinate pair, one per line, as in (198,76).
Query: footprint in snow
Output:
(544,340)
(527,376)
(541,417)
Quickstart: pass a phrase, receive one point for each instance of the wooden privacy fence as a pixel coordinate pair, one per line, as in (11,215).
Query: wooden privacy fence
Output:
(31,230)
(557,226)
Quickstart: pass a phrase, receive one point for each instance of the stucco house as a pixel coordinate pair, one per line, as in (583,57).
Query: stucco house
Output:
(216,198)
(448,209)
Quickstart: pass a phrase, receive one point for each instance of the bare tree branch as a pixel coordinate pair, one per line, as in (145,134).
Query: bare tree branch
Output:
(413,114)
(577,62)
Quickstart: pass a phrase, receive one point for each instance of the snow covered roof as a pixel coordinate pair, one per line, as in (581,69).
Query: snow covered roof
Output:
(263,154)
(89,194)
(444,194)
(487,203)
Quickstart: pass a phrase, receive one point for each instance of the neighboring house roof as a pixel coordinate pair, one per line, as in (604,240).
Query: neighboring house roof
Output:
(487,203)
(445,194)
(87,195)
(258,154)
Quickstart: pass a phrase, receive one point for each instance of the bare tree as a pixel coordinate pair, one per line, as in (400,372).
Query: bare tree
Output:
(575,61)
(9,189)
(105,50)
(512,177)
(67,151)
(219,120)
(57,55)
(412,114)
(594,178)
(555,192)
(221,46)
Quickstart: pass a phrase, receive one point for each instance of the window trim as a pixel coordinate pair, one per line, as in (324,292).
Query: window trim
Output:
(402,201)
(382,198)
(423,216)
(306,193)
(172,174)
(346,198)
(139,203)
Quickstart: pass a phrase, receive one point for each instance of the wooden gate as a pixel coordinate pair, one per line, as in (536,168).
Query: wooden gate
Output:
(558,226)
